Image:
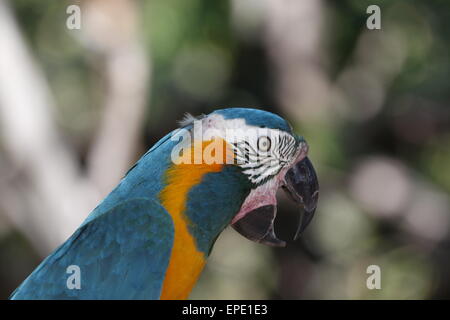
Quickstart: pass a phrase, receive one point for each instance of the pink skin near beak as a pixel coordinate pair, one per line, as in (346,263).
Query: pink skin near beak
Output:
(266,194)
(255,219)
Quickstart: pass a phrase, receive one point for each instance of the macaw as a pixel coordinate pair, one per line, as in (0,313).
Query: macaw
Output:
(151,236)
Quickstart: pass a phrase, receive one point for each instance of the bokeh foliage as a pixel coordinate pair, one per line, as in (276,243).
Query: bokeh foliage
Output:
(383,172)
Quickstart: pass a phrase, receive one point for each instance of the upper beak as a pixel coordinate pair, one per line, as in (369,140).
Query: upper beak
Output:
(301,184)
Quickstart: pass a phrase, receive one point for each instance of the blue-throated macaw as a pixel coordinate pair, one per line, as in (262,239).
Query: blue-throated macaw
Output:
(151,236)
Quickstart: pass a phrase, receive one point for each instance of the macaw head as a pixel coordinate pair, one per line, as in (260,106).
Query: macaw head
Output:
(263,150)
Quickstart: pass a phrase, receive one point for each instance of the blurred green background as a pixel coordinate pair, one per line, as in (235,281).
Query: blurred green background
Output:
(78,107)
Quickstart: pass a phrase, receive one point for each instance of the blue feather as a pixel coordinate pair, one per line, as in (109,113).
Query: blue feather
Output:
(255,117)
(122,254)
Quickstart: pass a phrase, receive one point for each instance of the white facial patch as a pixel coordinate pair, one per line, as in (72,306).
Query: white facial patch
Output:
(261,152)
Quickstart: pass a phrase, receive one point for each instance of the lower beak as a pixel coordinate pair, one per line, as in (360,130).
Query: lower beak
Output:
(257,225)
(301,184)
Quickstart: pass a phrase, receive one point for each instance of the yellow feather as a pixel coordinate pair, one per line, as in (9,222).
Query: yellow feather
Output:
(186,262)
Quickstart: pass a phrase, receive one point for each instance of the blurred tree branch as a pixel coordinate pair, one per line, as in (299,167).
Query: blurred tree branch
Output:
(293,40)
(54,195)
(111,31)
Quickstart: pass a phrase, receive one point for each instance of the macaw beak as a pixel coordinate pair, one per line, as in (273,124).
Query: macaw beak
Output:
(301,184)
(257,225)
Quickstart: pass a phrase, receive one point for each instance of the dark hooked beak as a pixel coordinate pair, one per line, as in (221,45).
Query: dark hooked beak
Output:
(301,184)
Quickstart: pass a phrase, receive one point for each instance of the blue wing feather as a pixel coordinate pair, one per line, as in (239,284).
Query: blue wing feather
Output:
(122,254)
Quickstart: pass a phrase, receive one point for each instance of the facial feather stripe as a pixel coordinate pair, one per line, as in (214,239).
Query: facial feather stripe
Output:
(261,161)
(260,151)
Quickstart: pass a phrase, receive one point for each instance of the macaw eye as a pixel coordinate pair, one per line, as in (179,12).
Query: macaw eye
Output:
(264,143)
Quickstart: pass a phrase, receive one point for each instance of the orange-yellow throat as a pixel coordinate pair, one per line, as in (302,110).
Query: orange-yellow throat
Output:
(186,261)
